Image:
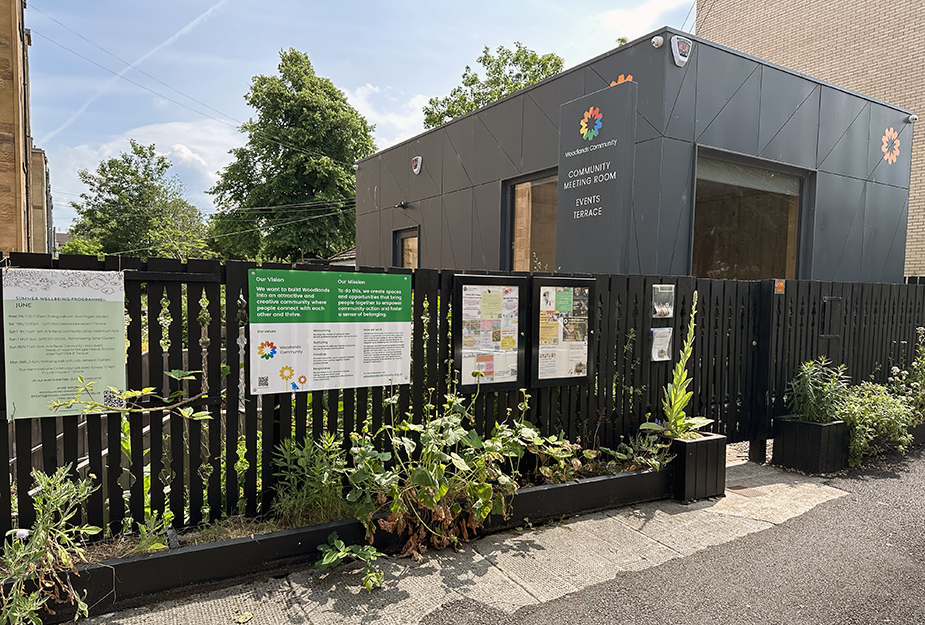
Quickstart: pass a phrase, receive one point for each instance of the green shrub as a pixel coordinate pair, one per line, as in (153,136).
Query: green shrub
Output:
(640,451)
(336,552)
(47,553)
(910,383)
(818,391)
(309,489)
(677,423)
(437,480)
(877,420)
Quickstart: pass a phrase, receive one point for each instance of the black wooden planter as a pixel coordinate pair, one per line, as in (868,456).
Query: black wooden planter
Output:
(699,467)
(813,448)
(918,433)
(553,501)
(127,582)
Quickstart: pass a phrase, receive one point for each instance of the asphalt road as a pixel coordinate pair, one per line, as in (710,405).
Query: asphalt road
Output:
(856,560)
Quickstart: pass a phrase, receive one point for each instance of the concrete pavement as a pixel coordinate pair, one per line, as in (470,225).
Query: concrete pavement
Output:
(500,576)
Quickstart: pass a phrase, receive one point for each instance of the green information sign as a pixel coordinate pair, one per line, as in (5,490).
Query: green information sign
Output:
(317,330)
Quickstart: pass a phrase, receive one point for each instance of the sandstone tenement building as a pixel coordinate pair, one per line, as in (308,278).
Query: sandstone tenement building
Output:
(25,210)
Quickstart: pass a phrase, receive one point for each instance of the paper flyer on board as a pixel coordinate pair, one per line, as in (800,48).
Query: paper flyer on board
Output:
(563,332)
(489,333)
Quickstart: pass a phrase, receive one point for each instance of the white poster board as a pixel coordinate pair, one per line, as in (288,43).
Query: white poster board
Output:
(59,325)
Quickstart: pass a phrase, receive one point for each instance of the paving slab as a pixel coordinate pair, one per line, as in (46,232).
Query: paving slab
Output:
(500,574)
(263,603)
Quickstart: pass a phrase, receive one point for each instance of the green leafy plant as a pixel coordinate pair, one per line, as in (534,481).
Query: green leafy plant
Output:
(818,391)
(620,380)
(152,534)
(309,489)
(639,451)
(131,401)
(435,480)
(560,460)
(677,423)
(909,383)
(877,421)
(38,562)
(335,553)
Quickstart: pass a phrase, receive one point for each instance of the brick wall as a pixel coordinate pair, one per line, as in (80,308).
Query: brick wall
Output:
(872,48)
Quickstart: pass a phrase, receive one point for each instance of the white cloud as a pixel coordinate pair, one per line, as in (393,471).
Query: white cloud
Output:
(396,116)
(632,23)
(611,25)
(198,150)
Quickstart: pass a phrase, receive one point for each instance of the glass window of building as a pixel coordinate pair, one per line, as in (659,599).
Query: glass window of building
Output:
(746,222)
(406,248)
(534,225)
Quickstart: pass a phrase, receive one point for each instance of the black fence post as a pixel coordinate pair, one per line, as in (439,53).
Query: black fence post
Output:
(761,412)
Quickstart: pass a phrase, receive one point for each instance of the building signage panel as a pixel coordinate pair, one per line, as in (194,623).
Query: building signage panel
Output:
(59,325)
(597,135)
(318,330)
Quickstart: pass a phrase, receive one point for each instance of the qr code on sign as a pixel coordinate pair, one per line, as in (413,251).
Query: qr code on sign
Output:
(263,380)
(112,399)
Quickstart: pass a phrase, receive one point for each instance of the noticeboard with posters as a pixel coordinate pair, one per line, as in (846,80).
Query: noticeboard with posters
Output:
(489,340)
(562,331)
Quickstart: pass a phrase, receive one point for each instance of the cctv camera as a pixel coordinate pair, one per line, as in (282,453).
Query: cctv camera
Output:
(356,167)
(912,118)
(657,41)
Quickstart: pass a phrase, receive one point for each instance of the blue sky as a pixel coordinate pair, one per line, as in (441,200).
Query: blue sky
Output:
(194,59)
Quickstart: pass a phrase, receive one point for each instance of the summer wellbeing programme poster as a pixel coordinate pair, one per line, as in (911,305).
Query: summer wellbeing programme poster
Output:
(59,325)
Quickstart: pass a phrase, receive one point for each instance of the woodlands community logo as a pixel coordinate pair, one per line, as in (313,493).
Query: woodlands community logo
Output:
(266,350)
(890,147)
(591,123)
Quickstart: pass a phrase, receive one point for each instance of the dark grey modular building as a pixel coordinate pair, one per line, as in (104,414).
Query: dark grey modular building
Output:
(669,155)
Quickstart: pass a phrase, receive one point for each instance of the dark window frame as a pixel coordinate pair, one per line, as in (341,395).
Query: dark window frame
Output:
(807,197)
(399,235)
(506,258)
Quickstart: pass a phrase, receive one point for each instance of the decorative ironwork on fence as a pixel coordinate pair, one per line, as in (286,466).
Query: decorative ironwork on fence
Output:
(193,316)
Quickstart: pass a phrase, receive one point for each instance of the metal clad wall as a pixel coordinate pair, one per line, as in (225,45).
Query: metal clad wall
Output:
(720,99)
(675,217)
(839,226)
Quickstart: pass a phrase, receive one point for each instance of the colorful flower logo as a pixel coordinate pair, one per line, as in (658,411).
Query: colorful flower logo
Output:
(591,123)
(266,350)
(302,380)
(286,373)
(621,78)
(890,147)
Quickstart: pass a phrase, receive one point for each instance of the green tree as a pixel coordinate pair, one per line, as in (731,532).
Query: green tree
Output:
(290,191)
(134,205)
(505,73)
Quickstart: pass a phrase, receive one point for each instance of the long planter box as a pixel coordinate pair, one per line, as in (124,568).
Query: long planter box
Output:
(918,434)
(553,501)
(813,448)
(699,467)
(127,582)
